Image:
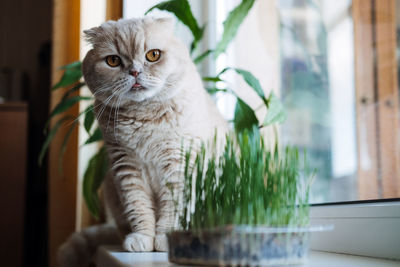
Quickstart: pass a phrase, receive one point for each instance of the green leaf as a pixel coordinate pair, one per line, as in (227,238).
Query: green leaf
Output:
(96,136)
(245,118)
(181,9)
(72,74)
(72,90)
(217,90)
(64,144)
(89,118)
(68,103)
(253,82)
(201,57)
(73,65)
(276,112)
(231,25)
(92,179)
(50,137)
(212,79)
(213,90)
(223,71)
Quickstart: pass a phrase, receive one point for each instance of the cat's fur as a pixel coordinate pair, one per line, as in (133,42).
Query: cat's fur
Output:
(143,130)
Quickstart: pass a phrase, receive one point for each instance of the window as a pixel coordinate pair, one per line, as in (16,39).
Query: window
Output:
(334,66)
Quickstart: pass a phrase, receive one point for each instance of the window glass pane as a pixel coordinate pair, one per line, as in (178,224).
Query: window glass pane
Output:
(318,91)
(334,66)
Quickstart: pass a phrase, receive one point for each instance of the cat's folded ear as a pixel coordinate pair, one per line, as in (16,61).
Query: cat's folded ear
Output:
(92,34)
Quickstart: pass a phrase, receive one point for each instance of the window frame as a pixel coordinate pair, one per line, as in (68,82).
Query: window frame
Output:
(376,94)
(368,228)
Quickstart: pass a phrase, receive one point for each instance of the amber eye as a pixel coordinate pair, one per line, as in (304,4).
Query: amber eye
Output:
(113,61)
(153,55)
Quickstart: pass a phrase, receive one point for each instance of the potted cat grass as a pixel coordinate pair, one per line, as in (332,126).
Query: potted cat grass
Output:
(248,206)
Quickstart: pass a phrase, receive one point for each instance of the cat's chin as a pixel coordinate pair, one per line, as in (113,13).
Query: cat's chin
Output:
(140,94)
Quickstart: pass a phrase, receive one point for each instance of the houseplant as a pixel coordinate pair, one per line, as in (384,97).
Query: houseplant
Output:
(246,206)
(244,118)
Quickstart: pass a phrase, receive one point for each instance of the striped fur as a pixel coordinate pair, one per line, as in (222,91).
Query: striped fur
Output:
(144,130)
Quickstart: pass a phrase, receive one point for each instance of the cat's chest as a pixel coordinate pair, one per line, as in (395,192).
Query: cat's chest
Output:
(137,134)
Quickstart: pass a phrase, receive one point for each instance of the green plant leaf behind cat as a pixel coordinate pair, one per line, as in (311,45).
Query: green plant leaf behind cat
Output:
(66,104)
(50,137)
(231,25)
(276,111)
(92,179)
(72,74)
(95,137)
(67,136)
(253,82)
(202,56)
(181,9)
(245,118)
(89,118)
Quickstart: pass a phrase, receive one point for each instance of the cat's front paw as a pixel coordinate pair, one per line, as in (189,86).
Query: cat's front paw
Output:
(138,242)
(160,243)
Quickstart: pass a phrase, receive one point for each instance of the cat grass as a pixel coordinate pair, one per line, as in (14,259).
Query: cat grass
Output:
(247,184)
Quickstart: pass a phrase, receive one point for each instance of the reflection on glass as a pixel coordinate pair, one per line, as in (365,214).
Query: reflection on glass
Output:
(317,88)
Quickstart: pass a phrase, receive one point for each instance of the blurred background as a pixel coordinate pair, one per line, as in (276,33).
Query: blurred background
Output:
(333,64)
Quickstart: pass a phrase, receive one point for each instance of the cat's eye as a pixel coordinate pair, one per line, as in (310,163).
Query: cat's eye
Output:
(153,55)
(113,61)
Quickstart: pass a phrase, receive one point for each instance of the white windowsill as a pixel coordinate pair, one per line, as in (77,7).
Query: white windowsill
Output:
(115,257)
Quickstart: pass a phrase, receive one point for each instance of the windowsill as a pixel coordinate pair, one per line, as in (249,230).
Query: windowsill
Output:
(115,257)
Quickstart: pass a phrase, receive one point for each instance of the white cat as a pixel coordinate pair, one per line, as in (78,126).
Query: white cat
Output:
(149,99)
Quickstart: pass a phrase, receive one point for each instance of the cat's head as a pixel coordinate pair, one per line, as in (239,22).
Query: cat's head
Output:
(134,60)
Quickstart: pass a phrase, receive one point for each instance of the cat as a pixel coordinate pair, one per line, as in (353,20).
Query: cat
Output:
(150,102)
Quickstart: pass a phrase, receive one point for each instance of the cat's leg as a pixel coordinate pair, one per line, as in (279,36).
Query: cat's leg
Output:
(136,201)
(168,196)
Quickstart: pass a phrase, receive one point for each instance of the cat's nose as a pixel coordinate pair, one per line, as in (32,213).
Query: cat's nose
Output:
(134,73)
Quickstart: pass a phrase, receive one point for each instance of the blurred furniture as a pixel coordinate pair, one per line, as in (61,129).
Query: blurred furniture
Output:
(13,154)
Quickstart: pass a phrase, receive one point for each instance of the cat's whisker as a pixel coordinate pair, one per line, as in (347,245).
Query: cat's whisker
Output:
(116,89)
(113,106)
(98,92)
(116,118)
(104,106)
(107,87)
